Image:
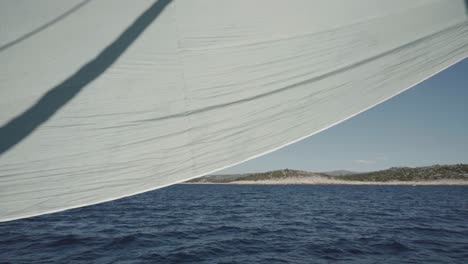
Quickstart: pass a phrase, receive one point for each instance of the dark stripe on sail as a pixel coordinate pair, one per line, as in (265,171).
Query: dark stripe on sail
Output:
(21,126)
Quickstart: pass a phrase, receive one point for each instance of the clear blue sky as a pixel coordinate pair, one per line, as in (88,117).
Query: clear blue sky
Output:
(425,125)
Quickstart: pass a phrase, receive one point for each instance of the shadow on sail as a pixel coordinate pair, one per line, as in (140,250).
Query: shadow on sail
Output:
(21,126)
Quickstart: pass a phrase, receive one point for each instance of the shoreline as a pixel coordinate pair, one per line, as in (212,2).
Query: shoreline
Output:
(339,182)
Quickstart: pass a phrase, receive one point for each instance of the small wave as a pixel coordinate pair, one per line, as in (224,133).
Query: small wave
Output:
(67,241)
(392,246)
(123,240)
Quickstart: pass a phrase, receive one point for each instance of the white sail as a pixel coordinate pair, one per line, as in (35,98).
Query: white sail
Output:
(105,99)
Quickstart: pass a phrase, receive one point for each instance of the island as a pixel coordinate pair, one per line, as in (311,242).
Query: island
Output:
(430,175)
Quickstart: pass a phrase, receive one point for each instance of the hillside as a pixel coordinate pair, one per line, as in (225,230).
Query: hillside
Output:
(338,173)
(430,173)
(271,175)
(396,174)
(278,174)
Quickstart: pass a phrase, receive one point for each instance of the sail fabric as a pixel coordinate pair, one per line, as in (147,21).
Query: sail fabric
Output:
(104,99)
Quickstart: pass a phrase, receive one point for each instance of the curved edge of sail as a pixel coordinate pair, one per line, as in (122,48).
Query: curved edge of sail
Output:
(242,161)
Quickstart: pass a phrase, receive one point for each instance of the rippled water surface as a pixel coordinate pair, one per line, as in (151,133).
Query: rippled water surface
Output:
(252,224)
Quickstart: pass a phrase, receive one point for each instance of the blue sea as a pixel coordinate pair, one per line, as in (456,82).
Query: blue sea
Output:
(252,224)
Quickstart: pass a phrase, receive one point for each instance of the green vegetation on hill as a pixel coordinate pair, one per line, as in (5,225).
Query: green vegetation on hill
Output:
(274,175)
(430,173)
